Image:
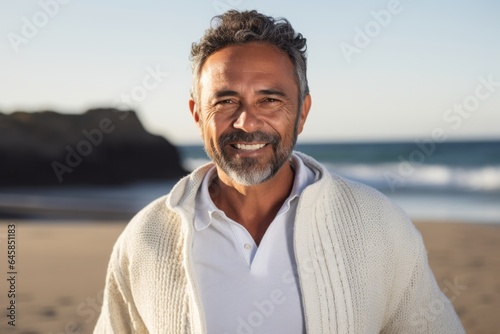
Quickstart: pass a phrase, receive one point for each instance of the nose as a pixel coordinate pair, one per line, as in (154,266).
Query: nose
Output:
(247,121)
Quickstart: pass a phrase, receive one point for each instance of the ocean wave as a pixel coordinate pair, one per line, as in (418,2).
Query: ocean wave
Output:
(393,176)
(397,175)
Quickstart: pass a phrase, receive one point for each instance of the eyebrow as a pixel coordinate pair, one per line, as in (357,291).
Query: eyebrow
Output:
(223,93)
(271,92)
(228,92)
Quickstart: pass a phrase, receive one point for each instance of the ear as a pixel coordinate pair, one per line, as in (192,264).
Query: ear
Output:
(195,113)
(304,111)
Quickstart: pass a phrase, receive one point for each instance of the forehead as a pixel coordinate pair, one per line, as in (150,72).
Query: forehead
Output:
(252,63)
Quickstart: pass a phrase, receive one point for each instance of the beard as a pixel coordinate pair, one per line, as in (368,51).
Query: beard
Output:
(249,171)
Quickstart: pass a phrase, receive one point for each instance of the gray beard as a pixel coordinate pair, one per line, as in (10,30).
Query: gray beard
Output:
(248,171)
(250,177)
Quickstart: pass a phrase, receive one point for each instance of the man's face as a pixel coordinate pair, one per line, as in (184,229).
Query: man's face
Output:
(248,111)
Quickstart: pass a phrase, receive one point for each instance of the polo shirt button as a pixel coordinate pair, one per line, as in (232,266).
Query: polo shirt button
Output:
(248,246)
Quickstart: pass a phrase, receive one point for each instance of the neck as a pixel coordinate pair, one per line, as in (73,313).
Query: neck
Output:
(254,207)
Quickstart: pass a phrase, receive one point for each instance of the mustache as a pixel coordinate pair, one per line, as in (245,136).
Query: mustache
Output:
(241,136)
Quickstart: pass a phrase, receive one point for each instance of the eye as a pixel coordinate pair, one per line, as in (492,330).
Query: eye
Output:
(271,100)
(225,105)
(228,101)
(270,103)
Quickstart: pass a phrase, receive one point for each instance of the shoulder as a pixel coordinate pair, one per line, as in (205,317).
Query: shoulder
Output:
(149,226)
(377,214)
(151,217)
(349,196)
(367,221)
(370,222)
(357,210)
(168,214)
(366,199)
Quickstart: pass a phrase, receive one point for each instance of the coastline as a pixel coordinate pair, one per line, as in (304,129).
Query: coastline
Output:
(61,270)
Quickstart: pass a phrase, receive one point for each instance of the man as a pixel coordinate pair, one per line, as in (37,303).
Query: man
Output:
(265,240)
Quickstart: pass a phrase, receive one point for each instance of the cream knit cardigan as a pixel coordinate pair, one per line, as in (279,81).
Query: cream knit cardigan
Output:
(362,266)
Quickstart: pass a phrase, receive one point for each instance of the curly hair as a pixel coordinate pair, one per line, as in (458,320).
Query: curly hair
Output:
(235,27)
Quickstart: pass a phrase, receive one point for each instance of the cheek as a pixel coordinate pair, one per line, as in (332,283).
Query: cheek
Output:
(212,128)
(285,124)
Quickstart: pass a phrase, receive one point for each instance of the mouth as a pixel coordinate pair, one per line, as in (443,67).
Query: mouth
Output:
(248,147)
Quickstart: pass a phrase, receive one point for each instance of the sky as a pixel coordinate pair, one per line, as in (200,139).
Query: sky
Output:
(378,70)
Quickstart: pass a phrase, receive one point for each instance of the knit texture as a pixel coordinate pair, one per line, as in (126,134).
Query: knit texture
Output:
(361,263)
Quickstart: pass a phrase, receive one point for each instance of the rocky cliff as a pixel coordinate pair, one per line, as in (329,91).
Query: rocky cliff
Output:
(101,146)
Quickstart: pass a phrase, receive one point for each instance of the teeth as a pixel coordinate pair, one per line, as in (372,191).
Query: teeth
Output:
(249,147)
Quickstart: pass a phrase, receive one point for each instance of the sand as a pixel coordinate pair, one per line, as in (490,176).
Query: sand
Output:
(465,259)
(61,269)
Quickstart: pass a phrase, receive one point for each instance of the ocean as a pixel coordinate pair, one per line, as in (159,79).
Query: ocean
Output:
(450,181)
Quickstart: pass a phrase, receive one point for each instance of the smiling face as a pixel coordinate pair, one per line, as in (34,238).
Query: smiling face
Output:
(248,111)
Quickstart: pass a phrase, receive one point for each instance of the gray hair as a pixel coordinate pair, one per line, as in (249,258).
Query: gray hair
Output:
(235,27)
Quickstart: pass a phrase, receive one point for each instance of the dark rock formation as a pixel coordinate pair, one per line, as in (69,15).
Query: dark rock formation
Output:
(102,146)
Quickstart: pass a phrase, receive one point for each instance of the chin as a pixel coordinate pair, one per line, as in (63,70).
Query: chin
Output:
(251,178)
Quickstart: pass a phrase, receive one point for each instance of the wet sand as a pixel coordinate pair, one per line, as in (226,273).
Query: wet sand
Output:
(61,268)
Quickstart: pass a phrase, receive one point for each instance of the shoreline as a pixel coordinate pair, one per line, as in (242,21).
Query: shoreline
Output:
(61,269)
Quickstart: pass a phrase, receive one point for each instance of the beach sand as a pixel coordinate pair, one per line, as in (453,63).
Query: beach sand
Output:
(61,269)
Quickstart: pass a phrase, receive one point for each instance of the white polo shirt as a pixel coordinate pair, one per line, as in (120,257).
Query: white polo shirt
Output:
(245,288)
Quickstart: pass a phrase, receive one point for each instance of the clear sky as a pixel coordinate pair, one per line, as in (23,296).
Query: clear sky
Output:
(378,69)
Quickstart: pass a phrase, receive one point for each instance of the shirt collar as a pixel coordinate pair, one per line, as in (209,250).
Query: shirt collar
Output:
(205,207)
(300,182)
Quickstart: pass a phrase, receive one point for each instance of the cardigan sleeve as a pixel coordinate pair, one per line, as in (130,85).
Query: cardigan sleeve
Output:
(423,307)
(119,313)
